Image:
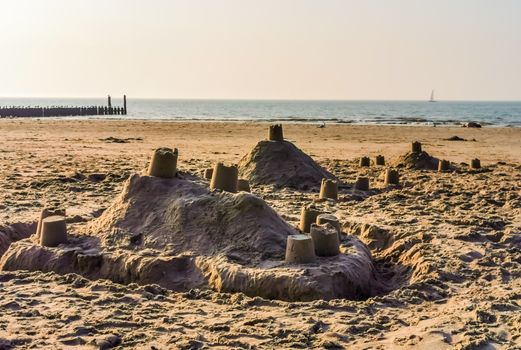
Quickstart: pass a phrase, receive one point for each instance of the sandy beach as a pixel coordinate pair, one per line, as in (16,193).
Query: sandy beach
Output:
(447,245)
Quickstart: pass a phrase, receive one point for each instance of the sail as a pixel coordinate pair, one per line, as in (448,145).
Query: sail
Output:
(432,96)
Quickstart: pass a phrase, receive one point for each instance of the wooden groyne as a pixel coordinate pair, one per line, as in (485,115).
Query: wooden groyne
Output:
(64,111)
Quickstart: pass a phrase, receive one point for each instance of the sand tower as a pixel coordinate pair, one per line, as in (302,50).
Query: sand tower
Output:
(328,189)
(443,165)
(276,133)
(392,177)
(308,215)
(380,160)
(416,147)
(365,162)
(362,183)
(475,164)
(300,250)
(329,219)
(54,231)
(243,185)
(224,178)
(325,240)
(45,213)
(163,163)
(207,173)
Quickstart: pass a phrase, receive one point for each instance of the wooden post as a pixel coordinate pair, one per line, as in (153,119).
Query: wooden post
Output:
(125,104)
(110,102)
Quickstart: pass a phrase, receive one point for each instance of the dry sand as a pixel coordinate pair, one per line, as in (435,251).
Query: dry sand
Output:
(449,244)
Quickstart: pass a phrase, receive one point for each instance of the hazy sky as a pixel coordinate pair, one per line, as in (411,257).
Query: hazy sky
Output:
(281,49)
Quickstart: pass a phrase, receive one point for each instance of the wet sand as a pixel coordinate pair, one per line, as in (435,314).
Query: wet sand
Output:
(457,236)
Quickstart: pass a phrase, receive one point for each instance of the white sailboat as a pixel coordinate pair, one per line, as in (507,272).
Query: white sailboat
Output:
(432,97)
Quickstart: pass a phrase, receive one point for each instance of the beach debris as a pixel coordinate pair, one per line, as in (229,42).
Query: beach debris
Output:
(54,231)
(362,183)
(308,215)
(281,164)
(475,163)
(365,162)
(443,165)
(416,147)
(243,185)
(322,126)
(163,163)
(325,239)
(300,250)
(224,178)
(392,177)
(380,160)
(455,138)
(472,125)
(328,189)
(276,133)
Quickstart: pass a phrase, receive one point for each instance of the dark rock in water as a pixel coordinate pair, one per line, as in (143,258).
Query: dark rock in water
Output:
(472,125)
(281,164)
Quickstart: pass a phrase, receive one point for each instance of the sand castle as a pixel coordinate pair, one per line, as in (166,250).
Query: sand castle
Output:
(379,160)
(300,249)
(328,189)
(392,177)
(280,163)
(276,133)
(224,178)
(443,165)
(329,219)
(53,231)
(325,240)
(365,162)
(163,163)
(416,147)
(416,159)
(243,185)
(45,213)
(362,183)
(308,215)
(475,164)
(207,173)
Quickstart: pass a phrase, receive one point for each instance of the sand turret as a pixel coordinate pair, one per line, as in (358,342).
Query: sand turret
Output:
(300,250)
(328,189)
(329,219)
(443,165)
(475,164)
(308,216)
(243,185)
(362,183)
(163,163)
(224,178)
(45,213)
(54,231)
(325,240)
(416,147)
(365,162)
(379,160)
(276,133)
(207,173)
(392,177)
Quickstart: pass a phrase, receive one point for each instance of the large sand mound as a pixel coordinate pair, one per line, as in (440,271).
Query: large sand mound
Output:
(417,160)
(180,235)
(283,164)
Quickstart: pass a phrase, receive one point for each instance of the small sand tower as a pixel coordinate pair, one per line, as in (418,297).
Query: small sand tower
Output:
(443,165)
(275,133)
(243,185)
(45,213)
(362,183)
(325,240)
(308,215)
(207,173)
(54,231)
(379,160)
(300,250)
(163,163)
(328,189)
(416,147)
(365,162)
(475,164)
(329,219)
(224,178)
(392,177)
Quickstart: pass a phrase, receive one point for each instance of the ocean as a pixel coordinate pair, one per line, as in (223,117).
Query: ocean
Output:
(355,112)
